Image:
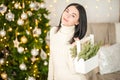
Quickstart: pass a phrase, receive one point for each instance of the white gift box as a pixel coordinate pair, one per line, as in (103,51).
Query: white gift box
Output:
(82,66)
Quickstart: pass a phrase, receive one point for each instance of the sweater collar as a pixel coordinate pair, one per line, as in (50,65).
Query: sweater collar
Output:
(67,29)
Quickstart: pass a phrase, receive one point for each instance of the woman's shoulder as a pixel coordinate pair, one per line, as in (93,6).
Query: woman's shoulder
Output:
(53,29)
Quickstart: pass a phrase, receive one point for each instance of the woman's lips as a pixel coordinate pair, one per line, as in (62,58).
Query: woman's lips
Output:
(65,19)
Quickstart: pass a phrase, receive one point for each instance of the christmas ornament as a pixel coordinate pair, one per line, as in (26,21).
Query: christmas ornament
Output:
(42,5)
(5,52)
(2,61)
(10,16)
(27,32)
(23,39)
(4,76)
(23,66)
(32,5)
(23,16)
(34,52)
(33,59)
(29,13)
(45,63)
(2,33)
(31,78)
(3,8)
(20,49)
(37,6)
(43,55)
(20,22)
(16,42)
(17,5)
(36,32)
(10,29)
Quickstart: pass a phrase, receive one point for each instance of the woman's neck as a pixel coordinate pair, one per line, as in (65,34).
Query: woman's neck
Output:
(67,29)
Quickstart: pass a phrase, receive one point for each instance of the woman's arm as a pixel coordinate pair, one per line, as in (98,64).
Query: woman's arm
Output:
(51,69)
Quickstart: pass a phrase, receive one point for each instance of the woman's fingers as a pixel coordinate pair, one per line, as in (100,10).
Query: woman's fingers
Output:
(74,43)
(76,39)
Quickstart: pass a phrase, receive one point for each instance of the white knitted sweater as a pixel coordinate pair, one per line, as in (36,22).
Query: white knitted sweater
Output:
(61,64)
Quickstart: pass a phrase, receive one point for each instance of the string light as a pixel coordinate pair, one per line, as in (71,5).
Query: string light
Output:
(106,6)
(109,1)
(108,15)
(1,40)
(97,0)
(110,8)
(4,24)
(46,46)
(96,7)
(54,14)
(86,6)
(67,1)
(47,24)
(51,6)
(5,38)
(55,1)
(30,27)
(10,29)
(26,58)
(45,31)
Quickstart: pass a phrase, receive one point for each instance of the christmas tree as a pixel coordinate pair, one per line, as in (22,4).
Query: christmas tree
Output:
(23,49)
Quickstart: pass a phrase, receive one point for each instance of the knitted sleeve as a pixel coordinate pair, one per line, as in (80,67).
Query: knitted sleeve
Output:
(51,69)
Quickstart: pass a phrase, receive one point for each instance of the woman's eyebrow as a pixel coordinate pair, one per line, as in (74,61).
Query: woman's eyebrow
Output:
(72,13)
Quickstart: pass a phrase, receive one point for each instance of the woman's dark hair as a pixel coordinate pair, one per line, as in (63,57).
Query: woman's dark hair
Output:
(81,28)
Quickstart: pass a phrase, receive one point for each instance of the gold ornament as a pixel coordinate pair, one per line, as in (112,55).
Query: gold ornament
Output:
(24,39)
(47,24)
(46,47)
(4,76)
(10,29)
(1,40)
(45,31)
(26,58)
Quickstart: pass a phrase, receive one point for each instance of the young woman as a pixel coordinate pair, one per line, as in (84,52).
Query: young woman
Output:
(73,24)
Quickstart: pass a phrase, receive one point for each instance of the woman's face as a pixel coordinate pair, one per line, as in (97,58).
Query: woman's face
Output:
(70,16)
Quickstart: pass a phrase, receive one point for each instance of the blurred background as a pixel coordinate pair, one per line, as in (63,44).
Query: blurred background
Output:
(98,11)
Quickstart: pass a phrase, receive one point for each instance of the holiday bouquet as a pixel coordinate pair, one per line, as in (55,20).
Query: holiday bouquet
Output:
(85,55)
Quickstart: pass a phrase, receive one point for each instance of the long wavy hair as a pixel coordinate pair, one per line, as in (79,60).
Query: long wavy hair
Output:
(81,28)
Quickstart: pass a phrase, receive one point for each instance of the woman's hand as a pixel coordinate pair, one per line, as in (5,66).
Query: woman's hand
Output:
(74,43)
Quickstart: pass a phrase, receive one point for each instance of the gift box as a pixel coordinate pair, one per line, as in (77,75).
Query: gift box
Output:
(82,66)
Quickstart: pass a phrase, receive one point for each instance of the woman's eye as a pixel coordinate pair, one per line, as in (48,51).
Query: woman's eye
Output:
(73,16)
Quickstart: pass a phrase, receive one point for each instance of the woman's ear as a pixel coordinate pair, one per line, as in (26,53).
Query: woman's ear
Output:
(76,23)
